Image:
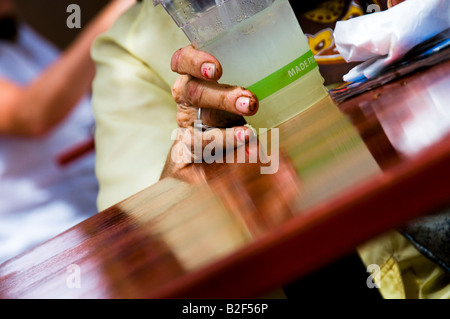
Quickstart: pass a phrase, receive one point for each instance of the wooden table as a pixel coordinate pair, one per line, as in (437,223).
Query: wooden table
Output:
(346,173)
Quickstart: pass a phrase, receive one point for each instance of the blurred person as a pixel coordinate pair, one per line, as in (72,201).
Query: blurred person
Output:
(133,105)
(47,181)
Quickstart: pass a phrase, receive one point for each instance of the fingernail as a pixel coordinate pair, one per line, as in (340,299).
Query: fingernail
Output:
(240,135)
(208,70)
(242,104)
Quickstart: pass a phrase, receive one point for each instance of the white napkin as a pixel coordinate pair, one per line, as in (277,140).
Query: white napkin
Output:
(384,37)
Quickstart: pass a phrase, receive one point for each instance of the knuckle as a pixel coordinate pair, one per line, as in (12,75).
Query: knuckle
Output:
(223,101)
(176,94)
(178,89)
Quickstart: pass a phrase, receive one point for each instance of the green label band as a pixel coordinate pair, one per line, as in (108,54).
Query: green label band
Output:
(284,76)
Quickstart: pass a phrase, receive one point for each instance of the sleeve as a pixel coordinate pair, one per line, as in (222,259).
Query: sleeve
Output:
(132,101)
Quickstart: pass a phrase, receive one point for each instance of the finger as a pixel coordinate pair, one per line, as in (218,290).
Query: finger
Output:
(392,3)
(190,91)
(197,63)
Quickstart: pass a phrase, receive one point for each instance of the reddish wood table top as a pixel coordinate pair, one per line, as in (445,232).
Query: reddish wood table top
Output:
(345,174)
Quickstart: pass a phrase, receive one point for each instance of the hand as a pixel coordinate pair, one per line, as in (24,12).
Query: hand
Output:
(222,106)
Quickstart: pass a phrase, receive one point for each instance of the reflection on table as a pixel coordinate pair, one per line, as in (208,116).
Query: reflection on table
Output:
(226,230)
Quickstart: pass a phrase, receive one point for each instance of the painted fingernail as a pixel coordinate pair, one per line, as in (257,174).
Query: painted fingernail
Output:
(208,70)
(243,104)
